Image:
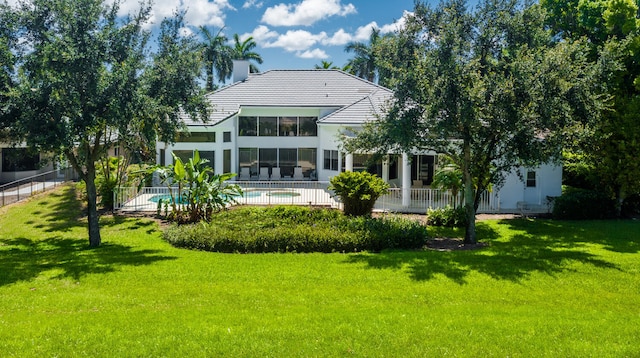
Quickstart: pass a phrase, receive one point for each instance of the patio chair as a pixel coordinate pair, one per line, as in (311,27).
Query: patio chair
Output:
(297,173)
(264,173)
(245,174)
(275,174)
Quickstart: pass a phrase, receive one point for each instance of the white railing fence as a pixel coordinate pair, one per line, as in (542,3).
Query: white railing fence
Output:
(21,189)
(312,193)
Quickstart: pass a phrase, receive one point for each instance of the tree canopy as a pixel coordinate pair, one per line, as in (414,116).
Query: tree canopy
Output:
(244,50)
(84,84)
(484,86)
(613,30)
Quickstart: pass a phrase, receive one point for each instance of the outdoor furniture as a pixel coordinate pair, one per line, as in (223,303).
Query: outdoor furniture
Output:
(297,173)
(264,173)
(275,174)
(245,174)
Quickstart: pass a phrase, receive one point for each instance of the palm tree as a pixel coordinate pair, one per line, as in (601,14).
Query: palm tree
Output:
(326,65)
(217,57)
(364,63)
(243,50)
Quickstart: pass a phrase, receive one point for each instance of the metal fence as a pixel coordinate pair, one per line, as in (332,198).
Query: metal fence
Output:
(21,189)
(422,199)
(312,193)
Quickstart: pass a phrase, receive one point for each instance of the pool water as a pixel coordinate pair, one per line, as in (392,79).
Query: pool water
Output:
(247,194)
(283,194)
(166,198)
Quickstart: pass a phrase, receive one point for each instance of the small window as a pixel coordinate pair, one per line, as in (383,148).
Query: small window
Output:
(531,179)
(162,158)
(226,137)
(196,137)
(331,160)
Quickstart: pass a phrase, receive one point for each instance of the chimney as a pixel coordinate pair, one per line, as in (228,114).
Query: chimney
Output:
(240,70)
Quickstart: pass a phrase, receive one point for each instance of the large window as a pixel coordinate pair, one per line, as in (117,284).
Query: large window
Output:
(248,126)
(268,158)
(307,161)
(185,155)
(19,159)
(277,126)
(288,126)
(268,126)
(196,137)
(249,159)
(287,159)
(308,126)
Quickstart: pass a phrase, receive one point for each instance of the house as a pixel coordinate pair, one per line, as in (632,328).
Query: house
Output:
(286,125)
(17,163)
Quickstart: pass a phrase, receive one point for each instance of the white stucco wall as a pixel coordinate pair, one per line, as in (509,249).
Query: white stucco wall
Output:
(514,190)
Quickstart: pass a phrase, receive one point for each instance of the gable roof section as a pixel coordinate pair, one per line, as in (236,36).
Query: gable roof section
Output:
(292,88)
(362,111)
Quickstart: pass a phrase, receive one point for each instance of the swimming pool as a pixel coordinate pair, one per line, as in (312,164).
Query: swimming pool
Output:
(256,193)
(252,193)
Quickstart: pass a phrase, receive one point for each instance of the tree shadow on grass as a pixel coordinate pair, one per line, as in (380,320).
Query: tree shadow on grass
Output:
(27,259)
(621,236)
(513,260)
(24,259)
(61,213)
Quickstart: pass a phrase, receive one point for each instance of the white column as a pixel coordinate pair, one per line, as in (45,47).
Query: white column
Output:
(385,169)
(349,162)
(406,180)
(339,162)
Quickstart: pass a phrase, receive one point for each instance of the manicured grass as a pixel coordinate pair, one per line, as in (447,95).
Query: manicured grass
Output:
(542,288)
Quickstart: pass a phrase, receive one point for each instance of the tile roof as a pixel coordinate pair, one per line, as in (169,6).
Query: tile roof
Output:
(364,110)
(299,88)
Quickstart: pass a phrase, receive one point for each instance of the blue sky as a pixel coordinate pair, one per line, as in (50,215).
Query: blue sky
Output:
(291,34)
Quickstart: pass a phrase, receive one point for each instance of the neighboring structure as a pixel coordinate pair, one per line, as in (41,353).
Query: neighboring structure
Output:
(287,124)
(18,163)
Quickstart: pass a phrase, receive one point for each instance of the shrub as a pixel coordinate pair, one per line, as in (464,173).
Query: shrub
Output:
(296,229)
(358,191)
(448,217)
(582,204)
(200,192)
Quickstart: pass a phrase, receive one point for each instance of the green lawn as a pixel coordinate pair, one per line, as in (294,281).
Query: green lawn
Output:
(542,288)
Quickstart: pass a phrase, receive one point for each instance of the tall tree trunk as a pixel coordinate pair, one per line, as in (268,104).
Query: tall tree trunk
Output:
(470,233)
(620,196)
(92,206)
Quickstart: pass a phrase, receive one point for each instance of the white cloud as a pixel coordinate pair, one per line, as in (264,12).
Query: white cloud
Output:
(313,54)
(363,33)
(305,13)
(339,38)
(252,3)
(398,24)
(261,35)
(298,40)
(199,12)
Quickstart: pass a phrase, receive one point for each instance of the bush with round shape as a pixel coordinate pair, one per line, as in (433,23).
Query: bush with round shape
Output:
(358,191)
